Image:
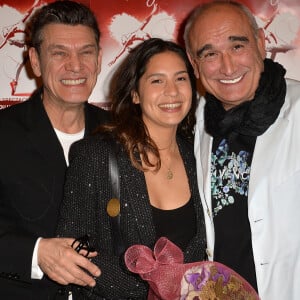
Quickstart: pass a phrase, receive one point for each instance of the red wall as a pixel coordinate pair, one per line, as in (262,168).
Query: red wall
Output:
(125,23)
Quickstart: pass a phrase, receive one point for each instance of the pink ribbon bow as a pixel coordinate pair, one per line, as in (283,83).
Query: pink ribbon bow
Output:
(158,267)
(170,279)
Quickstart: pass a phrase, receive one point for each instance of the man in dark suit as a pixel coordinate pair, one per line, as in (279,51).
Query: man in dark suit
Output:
(35,139)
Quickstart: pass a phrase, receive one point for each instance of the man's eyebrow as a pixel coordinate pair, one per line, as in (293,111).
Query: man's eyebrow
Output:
(204,48)
(63,47)
(56,46)
(232,38)
(236,38)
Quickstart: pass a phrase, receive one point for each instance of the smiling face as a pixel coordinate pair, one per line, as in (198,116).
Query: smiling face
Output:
(69,63)
(164,91)
(226,55)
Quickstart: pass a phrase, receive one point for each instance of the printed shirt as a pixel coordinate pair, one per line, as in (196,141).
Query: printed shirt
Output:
(230,173)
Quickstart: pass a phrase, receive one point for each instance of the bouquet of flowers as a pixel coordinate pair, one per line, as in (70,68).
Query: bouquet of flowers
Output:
(170,278)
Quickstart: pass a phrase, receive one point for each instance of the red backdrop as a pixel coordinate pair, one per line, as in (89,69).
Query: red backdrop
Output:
(123,24)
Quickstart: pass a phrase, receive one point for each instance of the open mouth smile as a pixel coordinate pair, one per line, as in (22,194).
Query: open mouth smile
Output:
(170,105)
(73,81)
(231,81)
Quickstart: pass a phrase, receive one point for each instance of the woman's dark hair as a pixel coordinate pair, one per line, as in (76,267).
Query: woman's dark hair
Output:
(61,12)
(128,126)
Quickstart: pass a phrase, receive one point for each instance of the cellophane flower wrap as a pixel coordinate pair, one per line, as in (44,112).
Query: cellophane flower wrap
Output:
(170,278)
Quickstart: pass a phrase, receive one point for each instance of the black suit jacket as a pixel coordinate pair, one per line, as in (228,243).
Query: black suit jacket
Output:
(32,172)
(83,211)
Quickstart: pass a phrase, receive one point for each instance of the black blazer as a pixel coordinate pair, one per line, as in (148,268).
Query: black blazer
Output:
(32,172)
(83,211)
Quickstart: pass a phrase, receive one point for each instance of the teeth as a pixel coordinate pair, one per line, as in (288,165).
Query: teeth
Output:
(73,81)
(170,105)
(231,80)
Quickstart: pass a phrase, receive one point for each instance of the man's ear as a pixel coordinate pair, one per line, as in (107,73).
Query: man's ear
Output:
(135,97)
(261,43)
(99,60)
(194,64)
(35,61)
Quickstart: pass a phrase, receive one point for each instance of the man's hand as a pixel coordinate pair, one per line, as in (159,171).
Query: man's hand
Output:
(64,265)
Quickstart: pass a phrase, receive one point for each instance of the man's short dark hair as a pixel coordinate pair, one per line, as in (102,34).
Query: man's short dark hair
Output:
(61,12)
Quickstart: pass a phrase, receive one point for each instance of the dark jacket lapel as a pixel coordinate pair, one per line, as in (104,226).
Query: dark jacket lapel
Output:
(134,187)
(94,116)
(41,132)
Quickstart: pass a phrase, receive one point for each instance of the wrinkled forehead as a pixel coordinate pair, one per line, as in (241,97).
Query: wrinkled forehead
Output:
(216,22)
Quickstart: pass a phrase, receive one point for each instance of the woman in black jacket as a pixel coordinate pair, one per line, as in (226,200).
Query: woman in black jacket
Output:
(153,106)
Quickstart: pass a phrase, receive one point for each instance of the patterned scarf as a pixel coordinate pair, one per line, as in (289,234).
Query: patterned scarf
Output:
(253,117)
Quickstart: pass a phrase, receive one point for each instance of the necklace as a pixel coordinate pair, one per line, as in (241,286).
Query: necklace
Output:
(170,174)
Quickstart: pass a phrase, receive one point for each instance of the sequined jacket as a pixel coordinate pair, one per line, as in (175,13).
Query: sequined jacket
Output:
(87,192)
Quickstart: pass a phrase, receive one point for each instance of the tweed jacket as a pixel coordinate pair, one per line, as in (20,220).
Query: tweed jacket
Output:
(83,211)
(31,187)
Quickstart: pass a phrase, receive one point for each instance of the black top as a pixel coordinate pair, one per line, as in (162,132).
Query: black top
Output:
(231,164)
(178,225)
